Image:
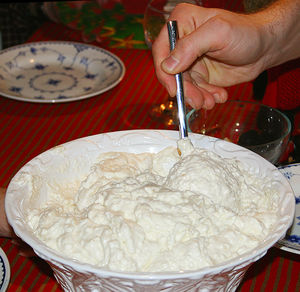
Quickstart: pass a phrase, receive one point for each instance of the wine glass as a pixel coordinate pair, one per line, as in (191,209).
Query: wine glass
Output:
(156,14)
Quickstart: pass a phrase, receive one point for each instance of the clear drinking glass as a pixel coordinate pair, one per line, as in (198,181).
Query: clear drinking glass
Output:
(156,14)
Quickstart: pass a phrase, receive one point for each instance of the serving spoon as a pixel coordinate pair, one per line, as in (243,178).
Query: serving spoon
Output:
(173,36)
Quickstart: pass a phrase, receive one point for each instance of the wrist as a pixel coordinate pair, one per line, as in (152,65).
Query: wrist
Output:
(279,28)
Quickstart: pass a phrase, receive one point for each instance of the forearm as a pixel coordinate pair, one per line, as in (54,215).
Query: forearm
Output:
(280,26)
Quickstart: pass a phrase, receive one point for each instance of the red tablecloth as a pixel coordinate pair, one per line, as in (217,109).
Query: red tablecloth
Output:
(27,129)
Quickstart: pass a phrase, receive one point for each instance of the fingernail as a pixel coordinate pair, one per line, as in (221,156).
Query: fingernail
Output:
(190,102)
(170,64)
(216,97)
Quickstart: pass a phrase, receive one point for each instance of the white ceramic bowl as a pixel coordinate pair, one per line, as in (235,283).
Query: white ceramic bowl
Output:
(75,276)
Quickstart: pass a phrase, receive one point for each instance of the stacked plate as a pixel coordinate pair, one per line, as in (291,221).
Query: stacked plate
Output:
(4,271)
(291,242)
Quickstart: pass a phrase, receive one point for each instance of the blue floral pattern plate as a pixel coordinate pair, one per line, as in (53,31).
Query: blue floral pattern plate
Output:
(291,242)
(55,71)
(4,271)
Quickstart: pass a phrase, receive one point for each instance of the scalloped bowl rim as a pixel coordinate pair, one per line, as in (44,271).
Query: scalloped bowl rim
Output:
(154,140)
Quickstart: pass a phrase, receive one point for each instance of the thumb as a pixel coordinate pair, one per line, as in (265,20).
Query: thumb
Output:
(188,49)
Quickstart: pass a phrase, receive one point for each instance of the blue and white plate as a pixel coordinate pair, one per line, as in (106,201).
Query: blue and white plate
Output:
(291,242)
(55,71)
(4,271)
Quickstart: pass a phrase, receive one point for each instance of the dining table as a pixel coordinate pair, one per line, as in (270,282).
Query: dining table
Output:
(30,128)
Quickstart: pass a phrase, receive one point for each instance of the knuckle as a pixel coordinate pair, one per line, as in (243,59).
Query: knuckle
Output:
(222,25)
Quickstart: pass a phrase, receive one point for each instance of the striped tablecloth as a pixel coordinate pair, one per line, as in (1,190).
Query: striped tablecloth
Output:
(27,129)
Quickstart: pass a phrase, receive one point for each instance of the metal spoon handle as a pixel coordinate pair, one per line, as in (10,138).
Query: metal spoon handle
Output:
(173,36)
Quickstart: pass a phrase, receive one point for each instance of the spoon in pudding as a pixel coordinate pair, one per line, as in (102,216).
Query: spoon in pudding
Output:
(184,144)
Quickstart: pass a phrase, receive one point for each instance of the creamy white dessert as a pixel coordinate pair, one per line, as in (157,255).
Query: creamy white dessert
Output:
(157,212)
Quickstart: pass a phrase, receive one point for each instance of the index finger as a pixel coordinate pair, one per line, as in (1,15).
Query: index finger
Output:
(160,51)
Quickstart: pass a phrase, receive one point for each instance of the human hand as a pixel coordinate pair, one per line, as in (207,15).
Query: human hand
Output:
(5,228)
(7,231)
(216,49)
